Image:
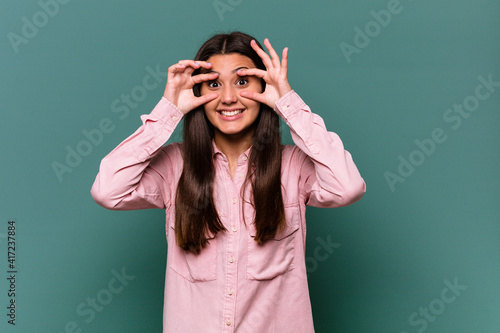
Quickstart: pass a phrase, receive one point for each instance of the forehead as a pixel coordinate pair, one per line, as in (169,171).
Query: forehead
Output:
(226,63)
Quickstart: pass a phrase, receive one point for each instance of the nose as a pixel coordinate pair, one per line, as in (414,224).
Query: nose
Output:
(228,95)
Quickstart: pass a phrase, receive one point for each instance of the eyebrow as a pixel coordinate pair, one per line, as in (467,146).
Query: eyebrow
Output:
(234,70)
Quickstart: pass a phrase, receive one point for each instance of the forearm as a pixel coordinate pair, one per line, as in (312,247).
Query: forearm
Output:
(124,180)
(334,178)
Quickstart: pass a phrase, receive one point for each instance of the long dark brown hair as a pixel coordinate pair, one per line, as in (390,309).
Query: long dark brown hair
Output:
(196,217)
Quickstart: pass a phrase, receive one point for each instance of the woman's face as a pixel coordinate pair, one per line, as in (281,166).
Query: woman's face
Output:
(231,114)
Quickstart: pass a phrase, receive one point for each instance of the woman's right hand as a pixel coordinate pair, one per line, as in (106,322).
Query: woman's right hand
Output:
(180,83)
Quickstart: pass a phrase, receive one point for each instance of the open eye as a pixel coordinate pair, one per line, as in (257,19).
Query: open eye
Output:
(212,84)
(242,81)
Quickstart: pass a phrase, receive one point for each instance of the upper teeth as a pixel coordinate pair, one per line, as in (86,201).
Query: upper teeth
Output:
(231,113)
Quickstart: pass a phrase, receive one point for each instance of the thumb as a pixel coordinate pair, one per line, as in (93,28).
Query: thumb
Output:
(204,99)
(253,95)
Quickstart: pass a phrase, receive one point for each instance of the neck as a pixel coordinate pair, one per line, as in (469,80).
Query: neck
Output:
(233,145)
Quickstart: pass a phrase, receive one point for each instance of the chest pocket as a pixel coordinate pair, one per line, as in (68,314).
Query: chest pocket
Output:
(193,267)
(276,256)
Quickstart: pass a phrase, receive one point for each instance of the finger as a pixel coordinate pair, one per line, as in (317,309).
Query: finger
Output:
(188,70)
(175,69)
(274,56)
(192,63)
(204,64)
(252,71)
(204,77)
(253,96)
(284,60)
(189,66)
(203,99)
(195,63)
(263,55)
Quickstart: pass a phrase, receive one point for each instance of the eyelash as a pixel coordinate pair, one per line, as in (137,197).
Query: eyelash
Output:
(243,79)
(209,83)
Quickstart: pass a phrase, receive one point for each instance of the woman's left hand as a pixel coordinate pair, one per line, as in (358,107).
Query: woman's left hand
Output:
(275,75)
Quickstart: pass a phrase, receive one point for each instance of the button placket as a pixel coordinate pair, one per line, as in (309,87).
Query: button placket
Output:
(233,243)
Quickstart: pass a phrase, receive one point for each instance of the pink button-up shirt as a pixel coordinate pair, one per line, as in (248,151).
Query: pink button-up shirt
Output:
(234,285)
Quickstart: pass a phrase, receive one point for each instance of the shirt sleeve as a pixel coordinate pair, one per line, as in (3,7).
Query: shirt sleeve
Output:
(327,174)
(129,176)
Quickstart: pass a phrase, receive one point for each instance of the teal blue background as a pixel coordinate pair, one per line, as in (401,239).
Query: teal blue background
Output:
(394,248)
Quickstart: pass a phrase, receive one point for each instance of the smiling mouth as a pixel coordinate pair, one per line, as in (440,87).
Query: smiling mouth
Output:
(231,113)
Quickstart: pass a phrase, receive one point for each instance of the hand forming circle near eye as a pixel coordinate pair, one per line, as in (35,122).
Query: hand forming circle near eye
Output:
(275,75)
(180,83)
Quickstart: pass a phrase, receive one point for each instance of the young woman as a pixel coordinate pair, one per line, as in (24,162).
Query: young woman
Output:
(234,196)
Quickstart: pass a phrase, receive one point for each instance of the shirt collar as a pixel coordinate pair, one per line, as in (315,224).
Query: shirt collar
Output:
(243,158)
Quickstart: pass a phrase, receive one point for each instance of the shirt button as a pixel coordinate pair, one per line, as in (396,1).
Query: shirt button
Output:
(230,292)
(245,157)
(174,118)
(234,200)
(231,260)
(285,107)
(228,322)
(234,228)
